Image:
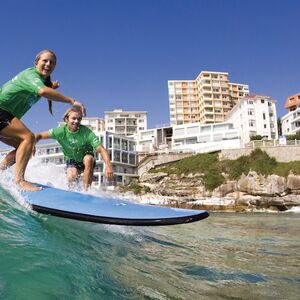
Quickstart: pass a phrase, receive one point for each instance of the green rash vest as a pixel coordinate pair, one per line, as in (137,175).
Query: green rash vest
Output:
(20,93)
(76,144)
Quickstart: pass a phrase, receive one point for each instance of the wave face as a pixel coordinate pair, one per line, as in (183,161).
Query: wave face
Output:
(227,256)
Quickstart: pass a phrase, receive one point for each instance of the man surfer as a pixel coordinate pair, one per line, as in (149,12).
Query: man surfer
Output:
(78,143)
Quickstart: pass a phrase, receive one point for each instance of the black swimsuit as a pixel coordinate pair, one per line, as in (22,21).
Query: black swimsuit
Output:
(5,118)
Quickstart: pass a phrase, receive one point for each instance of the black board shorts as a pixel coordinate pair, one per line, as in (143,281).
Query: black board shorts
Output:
(5,118)
(71,163)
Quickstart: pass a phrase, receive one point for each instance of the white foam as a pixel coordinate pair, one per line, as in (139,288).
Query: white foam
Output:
(295,209)
(46,173)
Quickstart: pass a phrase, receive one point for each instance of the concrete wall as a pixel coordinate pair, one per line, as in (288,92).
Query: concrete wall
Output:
(153,161)
(281,153)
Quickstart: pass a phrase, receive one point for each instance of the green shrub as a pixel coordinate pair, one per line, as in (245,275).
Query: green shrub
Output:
(136,188)
(261,162)
(238,167)
(192,164)
(256,138)
(212,180)
(146,189)
(293,136)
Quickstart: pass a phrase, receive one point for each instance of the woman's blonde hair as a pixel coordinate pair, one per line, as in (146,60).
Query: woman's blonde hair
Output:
(71,109)
(38,56)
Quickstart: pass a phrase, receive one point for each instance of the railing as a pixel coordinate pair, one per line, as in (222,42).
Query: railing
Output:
(272,143)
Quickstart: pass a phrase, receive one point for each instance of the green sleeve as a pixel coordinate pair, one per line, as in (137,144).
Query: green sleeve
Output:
(32,81)
(55,132)
(93,139)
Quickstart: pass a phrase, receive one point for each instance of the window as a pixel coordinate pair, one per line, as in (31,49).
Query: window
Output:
(262,100)
(179,131)
(264,116)
(125,157)
(132,159)
(251,123)
(250,112)
(117,155)
(193,130)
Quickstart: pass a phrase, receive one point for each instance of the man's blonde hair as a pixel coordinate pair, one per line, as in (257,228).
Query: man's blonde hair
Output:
(71,109)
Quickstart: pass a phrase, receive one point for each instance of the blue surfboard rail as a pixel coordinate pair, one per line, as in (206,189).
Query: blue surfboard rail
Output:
(85,207)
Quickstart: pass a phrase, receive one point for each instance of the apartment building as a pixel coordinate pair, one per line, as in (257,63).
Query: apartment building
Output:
(254,115)
(207,99)
(125,123)
(290,123)
(95,124)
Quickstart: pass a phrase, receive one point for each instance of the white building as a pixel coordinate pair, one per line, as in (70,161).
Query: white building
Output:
(254,115)
(204,138)
(193,137)
(154,139)
(290,123)
(125,123)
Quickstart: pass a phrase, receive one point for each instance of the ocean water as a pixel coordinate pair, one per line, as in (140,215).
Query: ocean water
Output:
(226,256)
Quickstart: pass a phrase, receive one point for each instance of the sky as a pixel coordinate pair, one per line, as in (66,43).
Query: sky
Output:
(121,53)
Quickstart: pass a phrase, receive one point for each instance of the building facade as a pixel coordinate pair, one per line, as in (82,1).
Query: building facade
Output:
(155,139)
(192,137)
(204,138)
(207,99)
(125,123)
(290,123)
(255,115)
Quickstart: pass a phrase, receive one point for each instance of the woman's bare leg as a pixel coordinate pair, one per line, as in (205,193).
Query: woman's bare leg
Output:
(17,130)
(10,158)
(8,161)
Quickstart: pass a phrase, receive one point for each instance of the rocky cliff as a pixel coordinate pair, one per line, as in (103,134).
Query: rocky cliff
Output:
(250,192)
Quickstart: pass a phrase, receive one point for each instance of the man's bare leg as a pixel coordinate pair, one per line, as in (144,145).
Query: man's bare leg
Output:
(88,162)
(72,177)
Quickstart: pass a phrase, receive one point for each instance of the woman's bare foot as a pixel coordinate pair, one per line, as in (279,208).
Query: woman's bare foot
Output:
(27,186)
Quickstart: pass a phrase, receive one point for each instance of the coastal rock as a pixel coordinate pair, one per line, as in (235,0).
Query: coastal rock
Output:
(256,184)
(253,192)
(152,177)
(291,200)
(293,182)
(224,189)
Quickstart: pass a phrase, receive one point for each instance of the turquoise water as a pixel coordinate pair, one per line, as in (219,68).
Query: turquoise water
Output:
(227,256)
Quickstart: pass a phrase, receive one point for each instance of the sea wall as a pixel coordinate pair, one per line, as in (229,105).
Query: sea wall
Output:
(280,153)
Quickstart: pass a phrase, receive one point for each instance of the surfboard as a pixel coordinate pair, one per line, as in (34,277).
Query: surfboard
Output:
(86,207)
